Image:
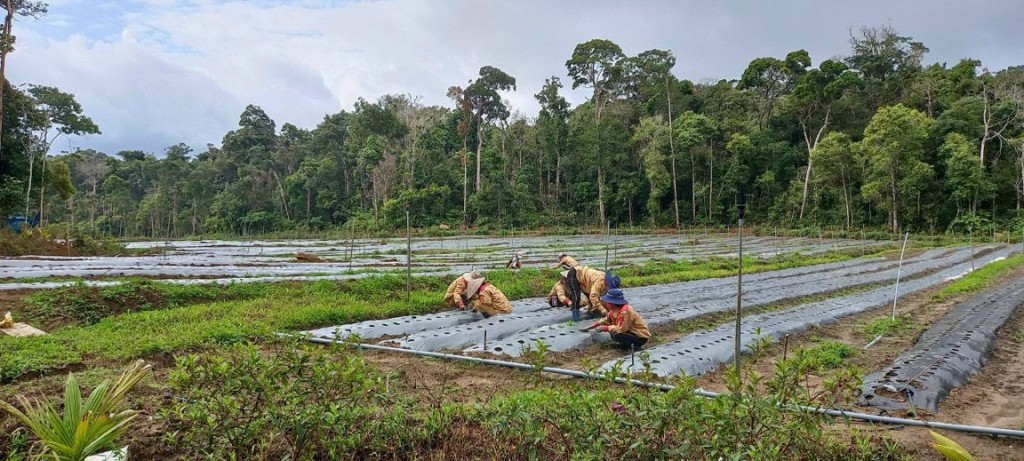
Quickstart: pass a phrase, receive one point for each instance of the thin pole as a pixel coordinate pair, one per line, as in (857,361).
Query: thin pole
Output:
(408,258)
(899,269)
(607,236)
(739,301)
(970,233)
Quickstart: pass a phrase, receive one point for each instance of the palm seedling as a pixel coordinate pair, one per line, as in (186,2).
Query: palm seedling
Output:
(87,427)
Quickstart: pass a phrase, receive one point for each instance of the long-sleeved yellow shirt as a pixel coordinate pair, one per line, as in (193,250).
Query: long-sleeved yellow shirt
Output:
(567,262)
(592,284)
(560,291)
(491,301)
(455,291)
(625,320)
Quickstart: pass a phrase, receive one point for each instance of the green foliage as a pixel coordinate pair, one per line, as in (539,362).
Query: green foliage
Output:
(83,304)
(302,402)
(824,356)
(980,279)
(883,326)
(19,356)
(84,428)
(632,422)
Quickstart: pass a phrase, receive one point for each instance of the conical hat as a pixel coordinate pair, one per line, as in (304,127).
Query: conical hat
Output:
(473,285)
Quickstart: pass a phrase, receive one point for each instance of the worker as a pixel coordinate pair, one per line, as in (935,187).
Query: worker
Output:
(566,262)
(560,295)
(472,291)
(516,261)
(592,285)
(455,296)
(626,327)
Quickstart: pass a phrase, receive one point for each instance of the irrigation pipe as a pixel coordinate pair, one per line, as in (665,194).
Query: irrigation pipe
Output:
(669,387)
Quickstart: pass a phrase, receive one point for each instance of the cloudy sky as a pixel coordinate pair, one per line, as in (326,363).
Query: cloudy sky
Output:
(153,73)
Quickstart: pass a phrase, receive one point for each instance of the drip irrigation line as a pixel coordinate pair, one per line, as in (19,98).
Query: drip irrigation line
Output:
(668,387)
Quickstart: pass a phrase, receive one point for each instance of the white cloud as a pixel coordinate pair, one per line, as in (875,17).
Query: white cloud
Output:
(184,70)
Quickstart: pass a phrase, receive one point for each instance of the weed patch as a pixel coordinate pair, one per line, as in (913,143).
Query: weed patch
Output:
(980,279)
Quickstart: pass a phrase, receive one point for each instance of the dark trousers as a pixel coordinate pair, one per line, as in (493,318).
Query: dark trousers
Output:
(628,341)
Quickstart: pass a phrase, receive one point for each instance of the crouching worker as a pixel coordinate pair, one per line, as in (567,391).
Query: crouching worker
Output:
(624,324)
(561,294)
(472,291)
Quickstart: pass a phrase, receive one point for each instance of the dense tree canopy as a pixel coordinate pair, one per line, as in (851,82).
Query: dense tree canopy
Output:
(875,139)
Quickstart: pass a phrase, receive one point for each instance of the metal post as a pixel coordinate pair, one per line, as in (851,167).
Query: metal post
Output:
(970,236)
(899,269)
(607,235)
(408,258)
(739,292)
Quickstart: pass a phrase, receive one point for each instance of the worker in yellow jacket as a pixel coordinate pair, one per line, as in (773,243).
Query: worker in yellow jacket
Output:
(566,262)
(559,295)
(472,290)
(593,285)
(626,327)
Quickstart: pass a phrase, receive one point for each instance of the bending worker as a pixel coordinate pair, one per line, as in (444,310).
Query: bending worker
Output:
(560,295)
(472,290)
(593,284)
(626,327)
(566,262)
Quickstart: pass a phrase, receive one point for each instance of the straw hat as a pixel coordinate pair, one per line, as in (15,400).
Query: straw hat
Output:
(473,285)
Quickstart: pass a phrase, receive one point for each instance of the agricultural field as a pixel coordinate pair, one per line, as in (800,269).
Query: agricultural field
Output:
(235,334)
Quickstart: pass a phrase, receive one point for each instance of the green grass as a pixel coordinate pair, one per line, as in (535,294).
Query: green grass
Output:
(256,311)
(826,355)
(883,326)
(980,279)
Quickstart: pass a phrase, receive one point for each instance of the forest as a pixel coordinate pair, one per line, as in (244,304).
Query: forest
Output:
(877,139)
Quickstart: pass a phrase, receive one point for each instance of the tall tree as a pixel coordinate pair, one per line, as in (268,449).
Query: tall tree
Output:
(835,154)
(653,69)
(894,148)
(772,78)
(13,8)
(487,105)
(888,63)
(598,64)
(553,122)
(813,98)
(57,114)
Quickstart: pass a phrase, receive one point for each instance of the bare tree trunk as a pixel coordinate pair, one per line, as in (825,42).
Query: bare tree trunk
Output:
(895,201)
(693,186)
(479,149)
(600,192)
(711,183)
(810,150)
(846,200)
(42,189)
(672,149)
(28,190)
(8,22)
(284,198)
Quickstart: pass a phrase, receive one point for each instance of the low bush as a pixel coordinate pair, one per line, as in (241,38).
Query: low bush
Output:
(313,403)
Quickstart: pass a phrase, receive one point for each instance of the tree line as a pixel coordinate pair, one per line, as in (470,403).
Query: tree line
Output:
(876,139)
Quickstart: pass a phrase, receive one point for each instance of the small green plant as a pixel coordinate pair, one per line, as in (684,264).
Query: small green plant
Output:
(536,354)
(827,355)
(950,449)
(883,326)
(84,428)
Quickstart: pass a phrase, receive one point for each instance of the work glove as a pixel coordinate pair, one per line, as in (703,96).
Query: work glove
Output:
(606,328)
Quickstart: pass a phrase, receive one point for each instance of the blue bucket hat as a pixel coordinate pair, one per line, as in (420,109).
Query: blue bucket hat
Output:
(612,280)
(614,296)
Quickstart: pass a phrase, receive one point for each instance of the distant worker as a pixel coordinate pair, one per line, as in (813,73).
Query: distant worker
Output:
(566,262)
(472,290)
(626,327)
(561,295)
(516,262)
(593,284)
